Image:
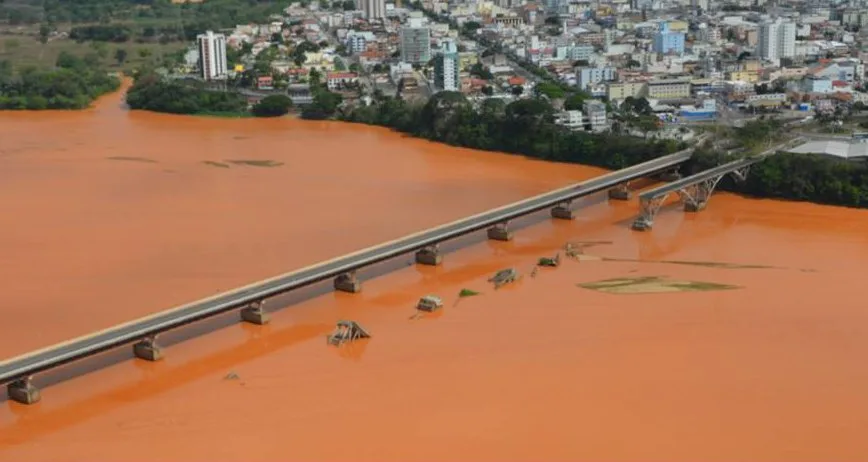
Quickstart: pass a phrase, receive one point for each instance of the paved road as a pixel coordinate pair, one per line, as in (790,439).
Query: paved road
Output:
(56,355)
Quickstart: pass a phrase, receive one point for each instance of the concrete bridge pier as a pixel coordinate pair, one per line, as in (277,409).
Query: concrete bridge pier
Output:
(621,192)
(500,232)
(429,255)
(23,391)
(255,313)
(148,349)
(348,282)
(563,211)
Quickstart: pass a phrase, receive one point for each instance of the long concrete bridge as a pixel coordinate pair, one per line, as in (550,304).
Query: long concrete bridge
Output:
(18,372)
(695,191)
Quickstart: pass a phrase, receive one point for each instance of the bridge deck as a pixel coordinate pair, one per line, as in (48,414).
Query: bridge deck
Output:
(59,354)
(677,185)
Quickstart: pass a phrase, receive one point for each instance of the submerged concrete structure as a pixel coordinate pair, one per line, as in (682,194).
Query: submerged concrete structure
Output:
(23,391)
(621,192)
(255,313)
(347,331)
(429,256)
(500,232)
(563,211)
(348,282)
(148,349)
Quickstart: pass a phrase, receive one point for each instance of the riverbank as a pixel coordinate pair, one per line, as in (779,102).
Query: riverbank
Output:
(525,127)
(74,84)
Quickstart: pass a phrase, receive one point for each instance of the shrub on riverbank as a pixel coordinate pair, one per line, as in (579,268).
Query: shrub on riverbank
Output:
(151,92)
(521,127)
(272,106)
(72,85)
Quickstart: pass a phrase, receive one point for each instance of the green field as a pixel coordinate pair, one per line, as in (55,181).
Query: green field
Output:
(24,50)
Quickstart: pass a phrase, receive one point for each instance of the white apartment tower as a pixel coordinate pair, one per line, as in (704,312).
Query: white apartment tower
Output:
(446,66)
(212,55)
(373,9)
(777,40)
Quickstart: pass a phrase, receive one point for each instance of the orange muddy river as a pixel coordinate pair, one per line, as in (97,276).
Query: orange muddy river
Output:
(110,215)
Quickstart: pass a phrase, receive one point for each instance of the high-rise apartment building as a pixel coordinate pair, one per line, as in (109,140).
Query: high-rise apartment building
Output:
(777,40)
(446,66)
(212,55)
(373,9)
(415,42)
(667,41)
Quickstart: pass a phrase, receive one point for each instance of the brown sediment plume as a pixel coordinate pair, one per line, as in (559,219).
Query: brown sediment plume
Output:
(750,374)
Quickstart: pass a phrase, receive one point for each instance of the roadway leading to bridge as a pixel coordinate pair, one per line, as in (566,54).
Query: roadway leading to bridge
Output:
(24,366)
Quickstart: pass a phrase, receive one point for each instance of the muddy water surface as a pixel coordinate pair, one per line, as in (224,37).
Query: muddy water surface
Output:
(112,215)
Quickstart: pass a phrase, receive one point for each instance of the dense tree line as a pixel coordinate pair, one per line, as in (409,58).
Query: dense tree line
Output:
(143,20)
(800,177)
(73,84)
(522,127)
(151,92)
(101,33)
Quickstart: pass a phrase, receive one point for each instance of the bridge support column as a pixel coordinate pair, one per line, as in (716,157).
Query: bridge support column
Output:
(695,197)
(649,209)
(563,212)
(148,349)
(621,192)
(500,232)
(429,256)
(348,282)
(23,391)
(255,313)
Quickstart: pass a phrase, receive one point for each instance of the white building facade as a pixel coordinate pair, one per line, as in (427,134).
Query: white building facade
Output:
(212,55)
(374,9)
(446,66)
(777,40)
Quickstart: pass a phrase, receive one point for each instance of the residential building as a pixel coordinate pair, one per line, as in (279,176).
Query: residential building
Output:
(357,42)
(573,120)
(446,67)
(668,41)
(588,76)
(212,55)
(373,9)
(340,80)
(777,40)
(812,84)
(595,115)
(669,89)
(415,43)
(623,90)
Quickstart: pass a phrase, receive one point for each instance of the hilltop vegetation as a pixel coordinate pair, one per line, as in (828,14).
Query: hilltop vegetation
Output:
(34,32)
(203,15)
(74,84)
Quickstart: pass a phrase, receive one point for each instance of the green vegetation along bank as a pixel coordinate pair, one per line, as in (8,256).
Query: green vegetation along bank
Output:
(798,177)
(521,127)
(73,84)
(152,92)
